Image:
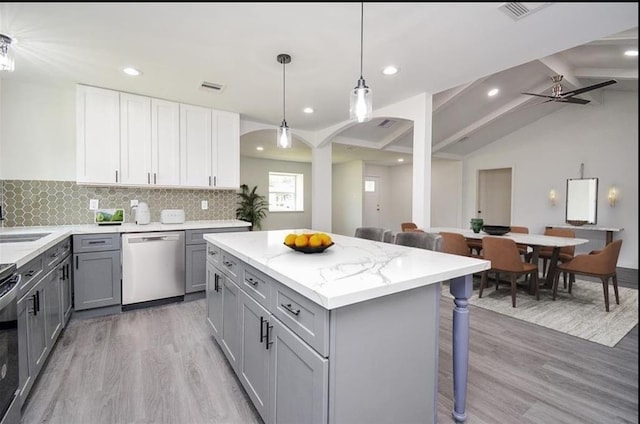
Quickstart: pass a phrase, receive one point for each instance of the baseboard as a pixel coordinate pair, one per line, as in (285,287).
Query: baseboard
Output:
(627,277)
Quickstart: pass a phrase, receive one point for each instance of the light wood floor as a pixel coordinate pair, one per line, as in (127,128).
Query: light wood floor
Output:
(159,365)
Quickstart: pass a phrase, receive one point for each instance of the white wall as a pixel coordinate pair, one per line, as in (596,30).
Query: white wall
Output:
(401,178)
(446,193)
(38,140)
(255,172)
(548,152)
(347,188)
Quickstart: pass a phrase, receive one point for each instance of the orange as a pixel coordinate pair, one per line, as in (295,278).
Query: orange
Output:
(301,240)
(325,238)
(315,240)
(290,239)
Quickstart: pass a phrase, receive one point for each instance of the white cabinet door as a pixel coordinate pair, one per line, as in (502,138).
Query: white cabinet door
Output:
(195,146)
(165,146)
(135,139)
(226,156)
(97,135)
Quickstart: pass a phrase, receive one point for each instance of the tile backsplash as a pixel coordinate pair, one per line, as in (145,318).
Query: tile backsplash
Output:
(35,202)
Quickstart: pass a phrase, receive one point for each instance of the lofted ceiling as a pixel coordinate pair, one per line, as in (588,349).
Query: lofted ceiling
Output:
(456,51)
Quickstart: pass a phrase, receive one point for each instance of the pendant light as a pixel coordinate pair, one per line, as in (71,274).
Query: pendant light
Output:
(360,106)
(6,55)
(284,132)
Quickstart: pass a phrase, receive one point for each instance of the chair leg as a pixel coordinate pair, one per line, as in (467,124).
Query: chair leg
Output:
(605,288)
(615,288)
(483,282)
(564,279)
(536,279)
(513,290)
(497,280)
(556,277)
(544,266)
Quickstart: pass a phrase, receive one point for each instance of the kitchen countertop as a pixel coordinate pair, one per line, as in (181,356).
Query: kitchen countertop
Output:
(22,252)
(352,270)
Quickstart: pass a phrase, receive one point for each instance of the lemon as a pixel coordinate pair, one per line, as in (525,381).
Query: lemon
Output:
(290,239)
(315,240)
(326,239)
(301,241)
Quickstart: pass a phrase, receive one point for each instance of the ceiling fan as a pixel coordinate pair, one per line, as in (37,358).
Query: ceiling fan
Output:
(557,95)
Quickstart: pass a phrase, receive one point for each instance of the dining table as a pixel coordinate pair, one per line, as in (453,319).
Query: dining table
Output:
(535,241)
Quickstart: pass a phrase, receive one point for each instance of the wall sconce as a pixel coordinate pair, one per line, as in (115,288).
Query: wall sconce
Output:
(612,196)
(553,197)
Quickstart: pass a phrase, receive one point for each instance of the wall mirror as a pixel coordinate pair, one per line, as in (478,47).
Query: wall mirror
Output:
(582,200)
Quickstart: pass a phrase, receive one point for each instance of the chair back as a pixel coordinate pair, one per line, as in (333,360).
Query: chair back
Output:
(503,254)
(560,232)
(408,226)
(519,230)
(603,263)
(371,233)
(420,239)
(454,243)
(388,236)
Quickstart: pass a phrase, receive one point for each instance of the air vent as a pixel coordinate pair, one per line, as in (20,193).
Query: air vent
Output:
(386,123)
(211,86)
(517,11)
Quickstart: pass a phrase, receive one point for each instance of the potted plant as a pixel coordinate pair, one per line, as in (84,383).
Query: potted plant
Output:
(252,207)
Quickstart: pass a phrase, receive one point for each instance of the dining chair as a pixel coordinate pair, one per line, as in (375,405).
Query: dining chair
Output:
(421,239)
(601,264)
(454,244)
(408,226)
(371,233)
(388,236)
(505,258)
(522,248)
(566,253)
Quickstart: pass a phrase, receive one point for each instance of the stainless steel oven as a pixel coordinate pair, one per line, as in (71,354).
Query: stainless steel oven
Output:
(9,399)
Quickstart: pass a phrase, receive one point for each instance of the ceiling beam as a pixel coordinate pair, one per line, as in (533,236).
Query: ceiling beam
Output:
(400,132)
(620,74)
(445,99)
(559,67)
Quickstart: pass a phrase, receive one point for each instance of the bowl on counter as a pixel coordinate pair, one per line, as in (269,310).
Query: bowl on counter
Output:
(576,222)
(496,230)
(308,249)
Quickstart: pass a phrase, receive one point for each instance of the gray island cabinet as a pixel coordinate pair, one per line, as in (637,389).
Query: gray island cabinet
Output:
(346,336)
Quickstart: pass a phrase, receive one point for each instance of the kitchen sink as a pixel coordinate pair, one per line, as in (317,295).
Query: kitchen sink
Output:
(19,238)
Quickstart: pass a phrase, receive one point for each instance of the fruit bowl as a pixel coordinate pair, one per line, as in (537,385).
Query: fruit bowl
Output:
(308,249)
(496,230)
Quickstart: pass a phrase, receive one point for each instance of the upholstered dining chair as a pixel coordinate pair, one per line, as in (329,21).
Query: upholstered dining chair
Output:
(421,239)
(601,264)
(522,248)
(505,258)
(388,236)
(454,244)
(371,233)
(408,226)
(566,253)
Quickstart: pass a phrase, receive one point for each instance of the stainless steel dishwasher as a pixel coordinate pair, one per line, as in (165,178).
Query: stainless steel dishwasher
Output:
(152,266)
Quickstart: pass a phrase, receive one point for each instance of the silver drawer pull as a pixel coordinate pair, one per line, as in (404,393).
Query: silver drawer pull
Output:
(227,263)
(289,308)
(212,252)
(30,273)
(97,241)
(252,281)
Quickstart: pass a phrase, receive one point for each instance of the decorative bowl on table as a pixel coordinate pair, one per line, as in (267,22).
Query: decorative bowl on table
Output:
(576,222)
(496,230)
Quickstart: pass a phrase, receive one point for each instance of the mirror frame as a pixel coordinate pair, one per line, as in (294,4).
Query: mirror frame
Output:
(582,195)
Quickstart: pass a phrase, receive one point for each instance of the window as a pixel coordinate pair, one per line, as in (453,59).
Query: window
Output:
(286,192)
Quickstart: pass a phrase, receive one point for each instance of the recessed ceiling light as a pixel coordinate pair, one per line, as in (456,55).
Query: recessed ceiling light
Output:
(390,70)
(308,110)
(631,53)
(132,71)
(400,160)
(493,92)
(259,148)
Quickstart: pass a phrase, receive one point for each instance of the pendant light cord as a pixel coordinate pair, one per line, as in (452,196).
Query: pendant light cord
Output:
(361,35)
(283,92)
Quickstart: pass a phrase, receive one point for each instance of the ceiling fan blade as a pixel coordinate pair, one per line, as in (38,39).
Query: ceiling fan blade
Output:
(575,100)
(539,95)
(589,88)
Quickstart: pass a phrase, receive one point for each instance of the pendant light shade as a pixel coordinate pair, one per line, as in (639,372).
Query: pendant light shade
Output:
(284,132)
(361,101)
(6,53)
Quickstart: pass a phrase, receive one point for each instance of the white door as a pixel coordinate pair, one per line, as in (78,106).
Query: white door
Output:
(371,212)
(494,196)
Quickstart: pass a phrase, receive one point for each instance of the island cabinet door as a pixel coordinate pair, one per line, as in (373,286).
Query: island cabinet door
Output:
(254,359)
(230,328)
(299,379)
(214,302)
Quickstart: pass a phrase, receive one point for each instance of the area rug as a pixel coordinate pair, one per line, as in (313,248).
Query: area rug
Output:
(579,314)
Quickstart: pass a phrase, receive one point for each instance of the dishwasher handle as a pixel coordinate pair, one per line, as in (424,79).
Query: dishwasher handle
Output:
(171,237)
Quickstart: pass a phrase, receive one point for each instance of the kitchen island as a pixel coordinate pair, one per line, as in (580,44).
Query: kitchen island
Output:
(347,335)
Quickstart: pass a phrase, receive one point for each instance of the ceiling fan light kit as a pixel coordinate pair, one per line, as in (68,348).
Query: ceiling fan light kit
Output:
(6,53)
(361,102)
(557,94)
(284,140)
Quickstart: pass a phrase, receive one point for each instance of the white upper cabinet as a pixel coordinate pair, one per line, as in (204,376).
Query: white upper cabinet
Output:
(135,139)
(195,146)
(165,146)
(97,135)
(227,149)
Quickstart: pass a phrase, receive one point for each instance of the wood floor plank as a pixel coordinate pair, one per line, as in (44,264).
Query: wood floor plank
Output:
(160,365)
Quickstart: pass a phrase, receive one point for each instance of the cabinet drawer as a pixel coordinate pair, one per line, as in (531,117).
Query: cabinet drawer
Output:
(306,319)
(57,253)
(214,255)
(257,285)
(231,266)
(95,242)
(32,272)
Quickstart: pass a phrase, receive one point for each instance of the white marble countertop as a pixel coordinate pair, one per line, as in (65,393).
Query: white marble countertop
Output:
(22,252)
(352,270)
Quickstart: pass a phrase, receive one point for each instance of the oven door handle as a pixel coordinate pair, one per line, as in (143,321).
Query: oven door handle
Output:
(9,296)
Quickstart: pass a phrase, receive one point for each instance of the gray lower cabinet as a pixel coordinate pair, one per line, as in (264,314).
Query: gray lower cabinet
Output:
(230,330)
(52,305)
(66,291)
(97,273)
(214,302)
(32,338)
